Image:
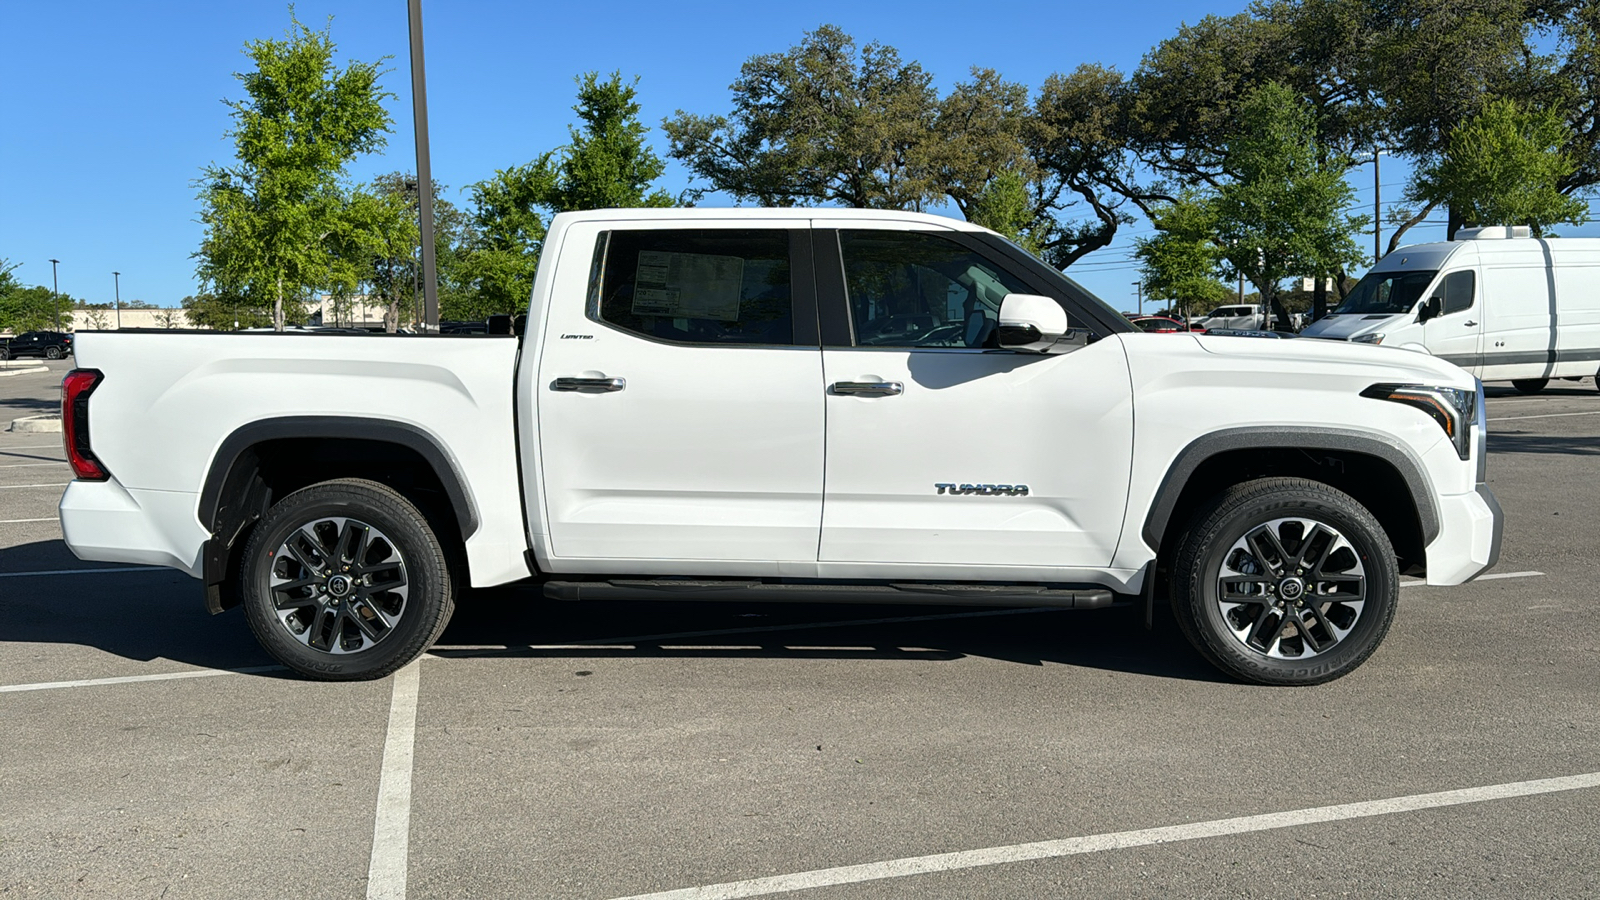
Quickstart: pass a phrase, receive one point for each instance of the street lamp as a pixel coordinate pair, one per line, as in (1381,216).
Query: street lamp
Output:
(55,295)
(118,277)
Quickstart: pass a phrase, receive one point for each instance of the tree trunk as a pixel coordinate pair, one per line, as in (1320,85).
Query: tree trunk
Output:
(1275,310)
(1394,239)
(277,307)
(1455,224)
(1319,299)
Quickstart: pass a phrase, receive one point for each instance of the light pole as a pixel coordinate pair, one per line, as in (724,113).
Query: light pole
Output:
(1138,287)
(118,277)
(1377,210)
(55,295)
(419,115)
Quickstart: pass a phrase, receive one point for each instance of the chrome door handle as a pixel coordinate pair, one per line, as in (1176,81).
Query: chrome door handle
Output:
(868,388)
(1469,324)
(589,385)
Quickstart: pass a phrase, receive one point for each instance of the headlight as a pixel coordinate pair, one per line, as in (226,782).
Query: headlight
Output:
(1453,408)
(1374,338)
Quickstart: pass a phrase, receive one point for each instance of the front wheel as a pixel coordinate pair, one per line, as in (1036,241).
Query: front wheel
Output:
(52,353)
(1530,385)
(345,581)
(1285,581)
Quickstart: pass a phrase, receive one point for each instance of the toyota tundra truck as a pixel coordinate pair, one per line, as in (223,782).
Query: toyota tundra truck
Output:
(793,405)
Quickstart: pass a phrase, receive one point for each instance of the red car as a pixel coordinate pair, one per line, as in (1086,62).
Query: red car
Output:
(1159,325)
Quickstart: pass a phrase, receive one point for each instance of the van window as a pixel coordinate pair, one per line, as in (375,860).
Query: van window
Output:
(1457,291)
(1386,292)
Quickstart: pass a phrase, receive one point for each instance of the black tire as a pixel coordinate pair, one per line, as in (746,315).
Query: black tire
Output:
(1279,646)
(6,354)
(52,353)
(1530,385)
(384,599)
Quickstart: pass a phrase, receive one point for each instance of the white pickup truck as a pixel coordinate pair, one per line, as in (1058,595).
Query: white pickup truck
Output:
(829,405)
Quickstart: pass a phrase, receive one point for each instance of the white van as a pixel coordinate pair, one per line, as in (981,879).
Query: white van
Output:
(1496,301)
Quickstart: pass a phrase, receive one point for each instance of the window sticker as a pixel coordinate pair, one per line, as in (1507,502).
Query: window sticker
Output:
(688,285)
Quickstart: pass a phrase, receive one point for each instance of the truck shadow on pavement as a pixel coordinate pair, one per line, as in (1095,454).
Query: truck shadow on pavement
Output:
(152,615)
(1547,444)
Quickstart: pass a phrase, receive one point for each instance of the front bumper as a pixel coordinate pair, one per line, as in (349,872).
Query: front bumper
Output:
(1471,528)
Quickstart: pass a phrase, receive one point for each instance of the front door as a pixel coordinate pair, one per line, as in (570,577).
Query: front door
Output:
(1455,334)
(679,411)
(944,449)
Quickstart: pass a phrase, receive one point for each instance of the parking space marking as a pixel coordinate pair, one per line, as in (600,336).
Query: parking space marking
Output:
(84,571)
(391,829)
(1497,576)
(60,462)
(22,521)
(992,856)
(134,679)
(56,446)
(18,487)
(1541,416)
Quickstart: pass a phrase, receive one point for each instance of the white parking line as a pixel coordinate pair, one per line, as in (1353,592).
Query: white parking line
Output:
(57,445)
(1497,576)
(84,571)
(22,521)
(391,829)
(133,679)
(992,856)
(61,462)
(18,487)
(1541,416)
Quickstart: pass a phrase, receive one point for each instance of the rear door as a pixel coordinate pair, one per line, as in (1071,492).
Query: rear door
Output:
(679,402)
(944,450)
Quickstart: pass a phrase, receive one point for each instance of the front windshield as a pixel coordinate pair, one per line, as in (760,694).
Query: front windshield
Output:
(1386,292)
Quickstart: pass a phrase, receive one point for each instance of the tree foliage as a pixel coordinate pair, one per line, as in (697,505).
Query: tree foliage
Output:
(1282,214)
(1182,262)
(1505,166)
(268,216)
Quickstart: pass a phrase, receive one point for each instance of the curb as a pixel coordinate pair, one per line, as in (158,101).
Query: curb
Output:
(37,424)
(6,370)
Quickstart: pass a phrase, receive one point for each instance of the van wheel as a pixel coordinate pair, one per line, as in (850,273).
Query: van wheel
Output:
(1530,385)
(1285,581)
(345,581)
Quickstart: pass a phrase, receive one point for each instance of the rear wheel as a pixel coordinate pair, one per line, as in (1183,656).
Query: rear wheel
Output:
(1530,385)
(6,354)
(52,353)
(345,580)
(1285,581)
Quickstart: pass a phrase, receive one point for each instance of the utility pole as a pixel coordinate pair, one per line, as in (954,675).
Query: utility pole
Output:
(118,277)
(1138,287)
(55,295)
(1377,210)
(419,114)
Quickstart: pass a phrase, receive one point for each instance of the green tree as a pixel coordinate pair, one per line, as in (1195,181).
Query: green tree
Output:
(395,275)
(1182,262)
(225,312)
(821,122)
(608,164)
(268,216)
(1503,167)
(1282,213)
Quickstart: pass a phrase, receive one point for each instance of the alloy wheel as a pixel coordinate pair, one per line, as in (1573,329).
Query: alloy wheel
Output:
(338,585)
(1291,588)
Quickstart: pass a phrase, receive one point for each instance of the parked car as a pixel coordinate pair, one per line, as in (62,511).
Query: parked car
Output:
(1246,317)
(733,404)
(45,344)
(1495,301)
(1158,325)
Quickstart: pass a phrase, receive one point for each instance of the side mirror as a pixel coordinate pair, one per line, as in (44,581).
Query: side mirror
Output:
(1430,309)
(1031,323)
(500,324)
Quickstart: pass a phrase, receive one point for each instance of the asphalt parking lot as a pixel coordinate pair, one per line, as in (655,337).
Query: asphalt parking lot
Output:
(611,750)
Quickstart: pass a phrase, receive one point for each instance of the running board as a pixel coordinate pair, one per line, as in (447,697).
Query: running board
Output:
(759,591)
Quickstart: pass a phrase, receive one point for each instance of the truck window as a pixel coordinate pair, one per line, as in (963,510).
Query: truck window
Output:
(695,286)
(1386,292)
(1457,291)
(912,289)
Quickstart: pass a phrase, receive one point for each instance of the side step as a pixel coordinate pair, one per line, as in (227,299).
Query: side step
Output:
(1065,597)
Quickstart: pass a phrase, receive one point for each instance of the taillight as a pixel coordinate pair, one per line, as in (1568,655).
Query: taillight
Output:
(75,391)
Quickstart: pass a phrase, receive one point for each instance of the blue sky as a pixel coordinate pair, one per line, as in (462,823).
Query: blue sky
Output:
(111,109)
